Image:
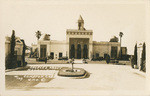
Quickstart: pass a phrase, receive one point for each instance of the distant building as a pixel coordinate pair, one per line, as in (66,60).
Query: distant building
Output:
(124,50)
(78,44)
(139,54)
(33,46)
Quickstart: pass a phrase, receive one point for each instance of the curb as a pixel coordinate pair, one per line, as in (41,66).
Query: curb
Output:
(137,71)
(8,70)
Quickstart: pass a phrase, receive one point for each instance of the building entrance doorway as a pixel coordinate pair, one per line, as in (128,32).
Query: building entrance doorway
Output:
(85,52)
(43,51)
(52,55)
(72,51)
(113,52)
(78,48)
(78,51)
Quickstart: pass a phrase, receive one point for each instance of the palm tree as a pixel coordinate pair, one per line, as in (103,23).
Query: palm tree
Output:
(38,34)
(120,34)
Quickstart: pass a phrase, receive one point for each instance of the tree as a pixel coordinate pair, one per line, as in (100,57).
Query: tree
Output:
(31,52)
(143,61)
(11,59)
(38,34)
(107,59)
(114,39)
(12,43)
(132,61)
(120,53)
(23,53)
(135,54)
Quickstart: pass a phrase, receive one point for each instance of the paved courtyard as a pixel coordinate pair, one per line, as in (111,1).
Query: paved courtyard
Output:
(102,77)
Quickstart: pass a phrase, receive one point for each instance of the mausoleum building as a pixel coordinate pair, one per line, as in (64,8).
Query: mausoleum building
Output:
(78,44)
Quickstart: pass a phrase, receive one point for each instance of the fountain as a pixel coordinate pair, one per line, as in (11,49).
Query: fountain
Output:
(72,72)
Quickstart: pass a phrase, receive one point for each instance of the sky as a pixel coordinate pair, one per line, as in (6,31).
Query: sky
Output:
(106,19)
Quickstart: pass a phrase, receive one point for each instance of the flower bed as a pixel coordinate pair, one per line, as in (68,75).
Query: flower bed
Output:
(68,72)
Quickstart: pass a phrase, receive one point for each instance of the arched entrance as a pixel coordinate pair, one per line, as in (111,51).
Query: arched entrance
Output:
(78,48)
(85,52)
(78,51)
(43,51)
(72,51)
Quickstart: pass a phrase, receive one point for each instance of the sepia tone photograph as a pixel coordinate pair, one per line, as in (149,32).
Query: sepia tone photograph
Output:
(74,48)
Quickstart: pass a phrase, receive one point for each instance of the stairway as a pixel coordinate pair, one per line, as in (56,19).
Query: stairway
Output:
(78,61)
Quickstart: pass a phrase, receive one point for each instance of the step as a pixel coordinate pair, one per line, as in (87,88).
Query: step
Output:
(78,61)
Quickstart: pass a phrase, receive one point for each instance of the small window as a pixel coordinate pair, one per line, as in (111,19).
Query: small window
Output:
(97,54)
(60,55)
(52,55)
(105,55)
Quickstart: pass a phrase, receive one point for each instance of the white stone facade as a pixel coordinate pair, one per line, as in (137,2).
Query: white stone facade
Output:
(77,38)
(103,48)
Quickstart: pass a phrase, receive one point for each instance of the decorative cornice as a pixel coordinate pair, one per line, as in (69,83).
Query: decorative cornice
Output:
(79,33)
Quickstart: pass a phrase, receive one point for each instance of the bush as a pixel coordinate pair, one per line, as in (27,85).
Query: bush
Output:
(40,59)
(107,59)
(114,61)
(124,57)
(97,58)
(10,62)
(143,60)
(132,61)
(144,67)
(135,55)
(25,64)
(63,58)
(11,58)
(23,53)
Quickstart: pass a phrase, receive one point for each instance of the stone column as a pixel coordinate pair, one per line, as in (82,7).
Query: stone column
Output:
(90,51)
(75,47)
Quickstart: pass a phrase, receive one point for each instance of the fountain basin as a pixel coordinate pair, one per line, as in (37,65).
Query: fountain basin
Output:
(68,72)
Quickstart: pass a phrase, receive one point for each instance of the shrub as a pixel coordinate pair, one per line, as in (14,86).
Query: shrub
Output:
(135,55)
(23,53)
(12,43)
(143,60)
(11,59)
(144,67)
(132,61)
(107,59)
(10,62)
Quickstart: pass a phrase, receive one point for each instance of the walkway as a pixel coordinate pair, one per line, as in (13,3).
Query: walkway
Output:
(103,77)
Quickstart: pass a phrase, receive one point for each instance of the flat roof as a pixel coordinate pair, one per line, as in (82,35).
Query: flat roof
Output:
(76,30)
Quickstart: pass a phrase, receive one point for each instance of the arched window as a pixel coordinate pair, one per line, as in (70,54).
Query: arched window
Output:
(72,51)
(85,52)
(78,51)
